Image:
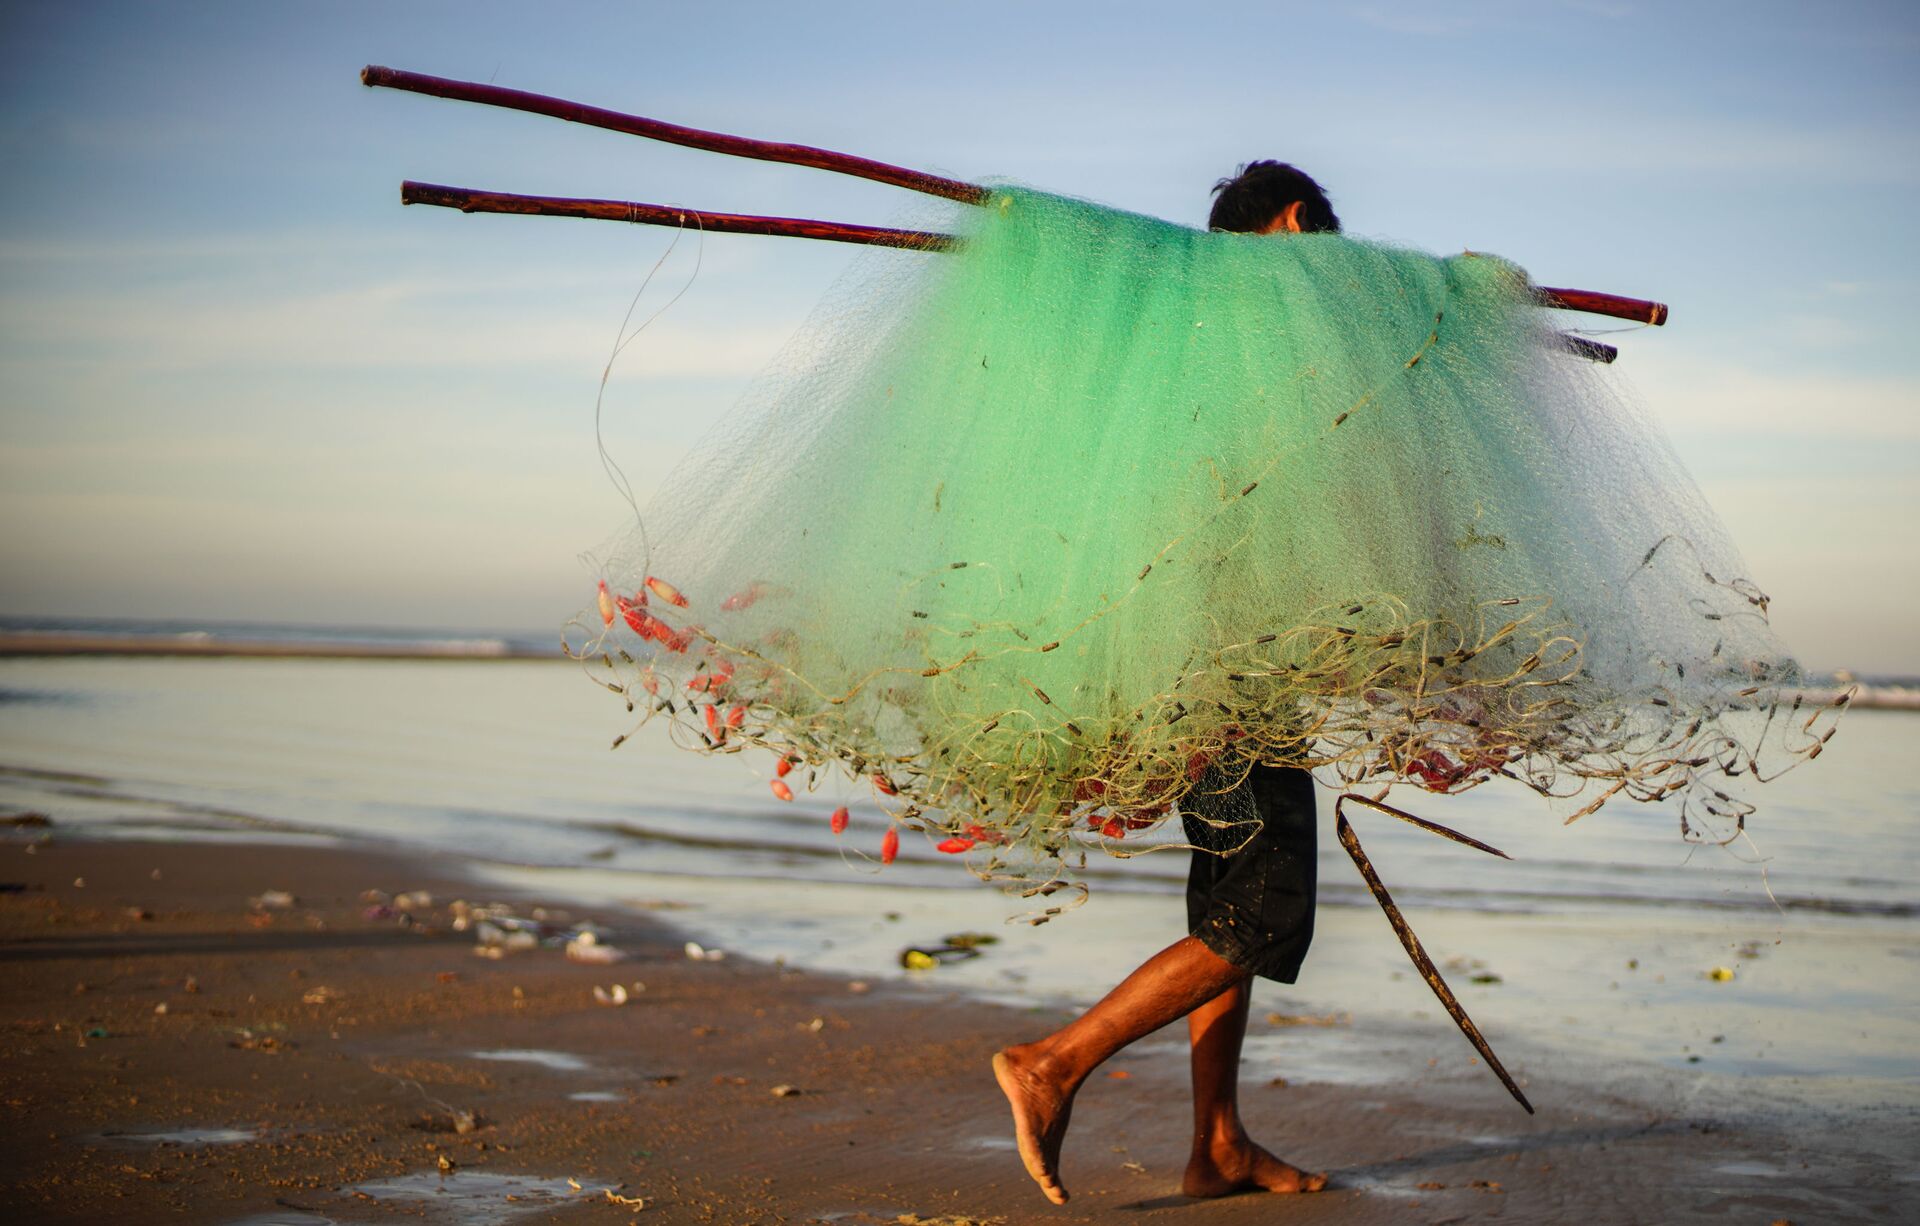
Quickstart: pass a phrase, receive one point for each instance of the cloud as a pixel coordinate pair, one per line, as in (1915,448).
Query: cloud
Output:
(1424,21)
(1428,20)
(1827,331)
(1601,8)
(414,324)
(1694,396)
(1843,587)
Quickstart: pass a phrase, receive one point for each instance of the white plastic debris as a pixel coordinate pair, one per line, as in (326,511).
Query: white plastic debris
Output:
(699,953)
(616,995)
(272,900)
(488,934)
(584,948)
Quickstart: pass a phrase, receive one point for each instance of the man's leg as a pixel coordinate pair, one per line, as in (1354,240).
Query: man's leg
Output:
(1256,905)
(1040,1079)
(1224,1158)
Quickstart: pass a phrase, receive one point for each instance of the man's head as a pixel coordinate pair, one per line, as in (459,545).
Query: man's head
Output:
(1269,198)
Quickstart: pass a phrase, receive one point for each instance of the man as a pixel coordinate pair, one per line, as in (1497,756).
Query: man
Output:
(1249,899)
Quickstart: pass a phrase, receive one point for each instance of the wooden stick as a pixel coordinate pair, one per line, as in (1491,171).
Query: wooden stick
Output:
(1593,351)
(1638,309)
(374,75)
(1403,930)
(470,201)
(653,129)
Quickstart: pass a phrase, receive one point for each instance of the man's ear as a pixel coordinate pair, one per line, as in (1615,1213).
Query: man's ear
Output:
(1290,219)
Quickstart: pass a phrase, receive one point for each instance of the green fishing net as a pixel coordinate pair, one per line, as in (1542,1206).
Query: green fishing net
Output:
(1037,534)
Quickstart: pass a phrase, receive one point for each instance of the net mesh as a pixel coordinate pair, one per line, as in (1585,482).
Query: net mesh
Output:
(1039,535)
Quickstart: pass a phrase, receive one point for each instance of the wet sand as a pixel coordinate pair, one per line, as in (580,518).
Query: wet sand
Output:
(313,1064)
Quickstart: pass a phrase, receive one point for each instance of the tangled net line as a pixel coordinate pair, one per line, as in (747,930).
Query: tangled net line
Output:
(981,550)
(1362,688)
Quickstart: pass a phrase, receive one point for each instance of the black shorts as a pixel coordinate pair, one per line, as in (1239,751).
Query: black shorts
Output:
(1253,906)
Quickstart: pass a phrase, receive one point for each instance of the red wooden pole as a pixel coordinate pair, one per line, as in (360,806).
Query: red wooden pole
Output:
(1593,303)
(470,201)
(772,151)
(654,129)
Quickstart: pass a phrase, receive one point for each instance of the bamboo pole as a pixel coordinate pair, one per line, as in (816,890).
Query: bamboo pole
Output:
(1593,351)
(471,200)
(373,75)
(1593,303)
(468,200)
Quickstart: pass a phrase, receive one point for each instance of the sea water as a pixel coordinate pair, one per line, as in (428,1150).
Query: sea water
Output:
(1604,933)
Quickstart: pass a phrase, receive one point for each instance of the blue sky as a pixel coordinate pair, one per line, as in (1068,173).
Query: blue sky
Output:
(237,380)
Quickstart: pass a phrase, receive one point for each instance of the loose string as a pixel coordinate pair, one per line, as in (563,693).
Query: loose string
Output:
(624,338)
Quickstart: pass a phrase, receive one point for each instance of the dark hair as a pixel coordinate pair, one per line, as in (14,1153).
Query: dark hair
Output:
(1261,191)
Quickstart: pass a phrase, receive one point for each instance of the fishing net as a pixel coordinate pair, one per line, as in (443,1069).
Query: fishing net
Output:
(1036,534)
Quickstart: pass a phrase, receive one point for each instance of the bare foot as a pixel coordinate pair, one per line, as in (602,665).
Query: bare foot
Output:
(1041,1109)
(1230,1165)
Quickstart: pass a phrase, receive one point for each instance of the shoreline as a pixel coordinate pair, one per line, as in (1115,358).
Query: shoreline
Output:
(34,644)
(40,644)
(322,1035)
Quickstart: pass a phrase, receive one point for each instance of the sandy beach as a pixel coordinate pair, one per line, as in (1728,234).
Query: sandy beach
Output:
(182,1043)
(604,603)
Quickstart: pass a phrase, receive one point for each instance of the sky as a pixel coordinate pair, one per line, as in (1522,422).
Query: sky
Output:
(238,381)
